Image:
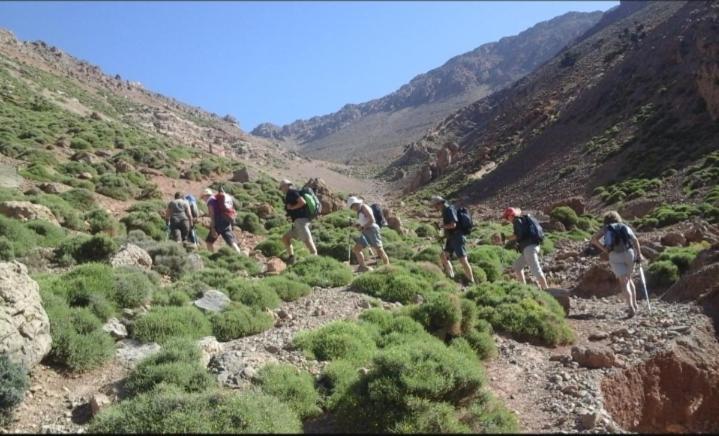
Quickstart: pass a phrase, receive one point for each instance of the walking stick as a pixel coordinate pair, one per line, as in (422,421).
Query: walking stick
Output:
(644,286)
(349,243)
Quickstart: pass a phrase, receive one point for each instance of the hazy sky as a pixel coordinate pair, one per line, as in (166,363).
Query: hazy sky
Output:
(274,61)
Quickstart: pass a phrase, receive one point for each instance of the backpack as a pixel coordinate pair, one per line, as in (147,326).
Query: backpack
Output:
(533,230)
(224,205)
(314,207)
(193,205)
(616,234)
(378,215)
(464,221)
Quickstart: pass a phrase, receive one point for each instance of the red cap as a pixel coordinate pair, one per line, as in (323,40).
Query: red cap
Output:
(510,213)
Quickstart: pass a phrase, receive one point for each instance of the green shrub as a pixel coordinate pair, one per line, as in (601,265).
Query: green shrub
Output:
(337,379)
(169,258)
(14,381)
(7,251)
(482,343)
(250,222)
(163,323)
(79,351)
(492,260)
(425,230)
(169,410)
(399,250)
(177,363)
(286,288)
(79,198)
(229,259)
(391,284)
(682,257)
(523,311)
(291,386)
(96,248)
(240,321)
(337,340)
(662,274)
(322,271)
(150,223)
(132,287)
(101,221)
(22,237)
(429,254)
(270,247)
(566,215)
(429,417)
(116,186)
(440,315)
(89,285)
(487,415)
(254,293)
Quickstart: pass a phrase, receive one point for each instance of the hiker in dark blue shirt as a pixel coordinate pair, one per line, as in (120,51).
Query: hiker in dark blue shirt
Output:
(296,208)
(456,241)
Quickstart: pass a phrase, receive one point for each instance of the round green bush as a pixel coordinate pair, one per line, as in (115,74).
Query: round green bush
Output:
(116,186)
(238,322)
(662,274)
(566,215)
(132,287)
(250,222)
(440,315)
(7,252)
(291,386)
(101,221)
(429,254)
(163,323)
(287,288)
(84,249)
(322,271)
(84,320)
(253,293)
(337,340)
(425,230)
(229,259)
(270,247)
(391,283)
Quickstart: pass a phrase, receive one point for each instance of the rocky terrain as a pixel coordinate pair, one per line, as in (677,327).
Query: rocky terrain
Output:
(407,113)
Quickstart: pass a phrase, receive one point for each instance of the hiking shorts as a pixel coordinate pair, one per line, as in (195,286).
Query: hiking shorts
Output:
(529,257)
(179,229)
(370,237)
(223,227)
(622,263)
(300,230)
(455,245)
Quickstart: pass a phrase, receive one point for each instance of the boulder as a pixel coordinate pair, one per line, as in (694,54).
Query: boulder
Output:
(575,203)
(123,166)
(241,175)
(132,255)
(209,347)
(194,262)
(673,240)
(700,286)
(649,252)
(638,208)
(593,356)
(598,281)
(705,257)
(213,301)
(24,325)
(24,211)
(130,351)
(265,211)
(395,223)
(553,226)
(562,297)
(116,329)
(275,266)
(53,188)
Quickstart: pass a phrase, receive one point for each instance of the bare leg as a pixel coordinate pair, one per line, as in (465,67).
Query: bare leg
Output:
(447,265)
(357,250)
(627,291)
(287,240)
(467,268)
(634,294)
(310,244)
(237,248)
(543,282)
(520,276)
(383,255)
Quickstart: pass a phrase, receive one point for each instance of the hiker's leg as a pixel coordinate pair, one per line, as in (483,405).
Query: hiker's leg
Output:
(357,250)
(382,255)
(310,244)
(210,241)
(373,237)
(287,240)
(518,268)
(626,290)
(304,234)
(467,268)
(633,289)
(447,264)
(531,254)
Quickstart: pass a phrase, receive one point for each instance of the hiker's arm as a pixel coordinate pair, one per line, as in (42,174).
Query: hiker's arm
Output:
(167,214)
(596,243)
(300,203)
(188,212)
(450,226)
(368,213)
(637,250)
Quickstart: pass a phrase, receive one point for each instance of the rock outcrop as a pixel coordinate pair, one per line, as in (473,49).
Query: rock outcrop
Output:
(132,255)
(24,325)
(598,281)
(24,211)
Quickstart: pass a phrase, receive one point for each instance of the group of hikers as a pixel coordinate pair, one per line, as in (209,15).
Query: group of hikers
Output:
(615,237)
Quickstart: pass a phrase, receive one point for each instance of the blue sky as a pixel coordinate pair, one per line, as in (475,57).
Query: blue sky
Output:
(274,61)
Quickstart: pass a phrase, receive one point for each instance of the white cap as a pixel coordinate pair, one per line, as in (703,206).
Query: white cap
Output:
(353,200)
(209,192)
(436,199)
(284,183)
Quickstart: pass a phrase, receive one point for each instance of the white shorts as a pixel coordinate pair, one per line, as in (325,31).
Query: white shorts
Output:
(622,263)
(529,257)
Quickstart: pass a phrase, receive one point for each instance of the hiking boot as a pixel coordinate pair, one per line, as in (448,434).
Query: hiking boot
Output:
(291,260)
(364,269)
(631,312)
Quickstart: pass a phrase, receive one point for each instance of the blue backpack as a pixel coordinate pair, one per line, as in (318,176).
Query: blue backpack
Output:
(464,221)
(193,205)
(532,229)
(617,234)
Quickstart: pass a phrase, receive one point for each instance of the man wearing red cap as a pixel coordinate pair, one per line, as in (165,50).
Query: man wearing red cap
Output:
(528,245)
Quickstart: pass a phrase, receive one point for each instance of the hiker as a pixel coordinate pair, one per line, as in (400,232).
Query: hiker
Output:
(222,212)
(179,218)
(455,244)
(370,233)
(195,213)
(619,241)
(528,234)
(296,207)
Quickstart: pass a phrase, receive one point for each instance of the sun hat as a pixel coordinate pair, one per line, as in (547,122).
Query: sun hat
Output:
(284,183)
(353,200)
(208,192)
(511,212)
(436,199)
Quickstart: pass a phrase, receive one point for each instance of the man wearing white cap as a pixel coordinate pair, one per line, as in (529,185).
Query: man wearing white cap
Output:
(297,210)
(456,241)
(370,236)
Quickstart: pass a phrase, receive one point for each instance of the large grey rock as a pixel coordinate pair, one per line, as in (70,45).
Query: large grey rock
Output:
(194,262)
(116,329)
(209,347)
(132,255)
(212,301)
(235,368)
(593,356)
(24,211)
(24,325)
(130,351)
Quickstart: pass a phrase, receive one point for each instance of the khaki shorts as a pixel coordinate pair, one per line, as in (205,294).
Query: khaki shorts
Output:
(622,263)
(370,237)
(530,258)
(300,230)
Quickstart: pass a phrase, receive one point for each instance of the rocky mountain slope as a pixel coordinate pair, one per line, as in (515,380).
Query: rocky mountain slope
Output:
(633,103)
(357,132)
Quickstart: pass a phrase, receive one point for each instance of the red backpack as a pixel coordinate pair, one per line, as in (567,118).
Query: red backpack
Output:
(224,205)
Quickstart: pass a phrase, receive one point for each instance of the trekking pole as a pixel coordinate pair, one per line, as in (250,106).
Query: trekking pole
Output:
(349,243)
(644,286)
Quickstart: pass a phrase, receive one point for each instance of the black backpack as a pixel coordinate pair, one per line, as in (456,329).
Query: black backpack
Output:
(619,235)
(464,221)
(533,230)
(378,215)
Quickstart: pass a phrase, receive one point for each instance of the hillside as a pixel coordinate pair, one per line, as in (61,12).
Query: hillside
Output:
(374,131)
(626,115)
